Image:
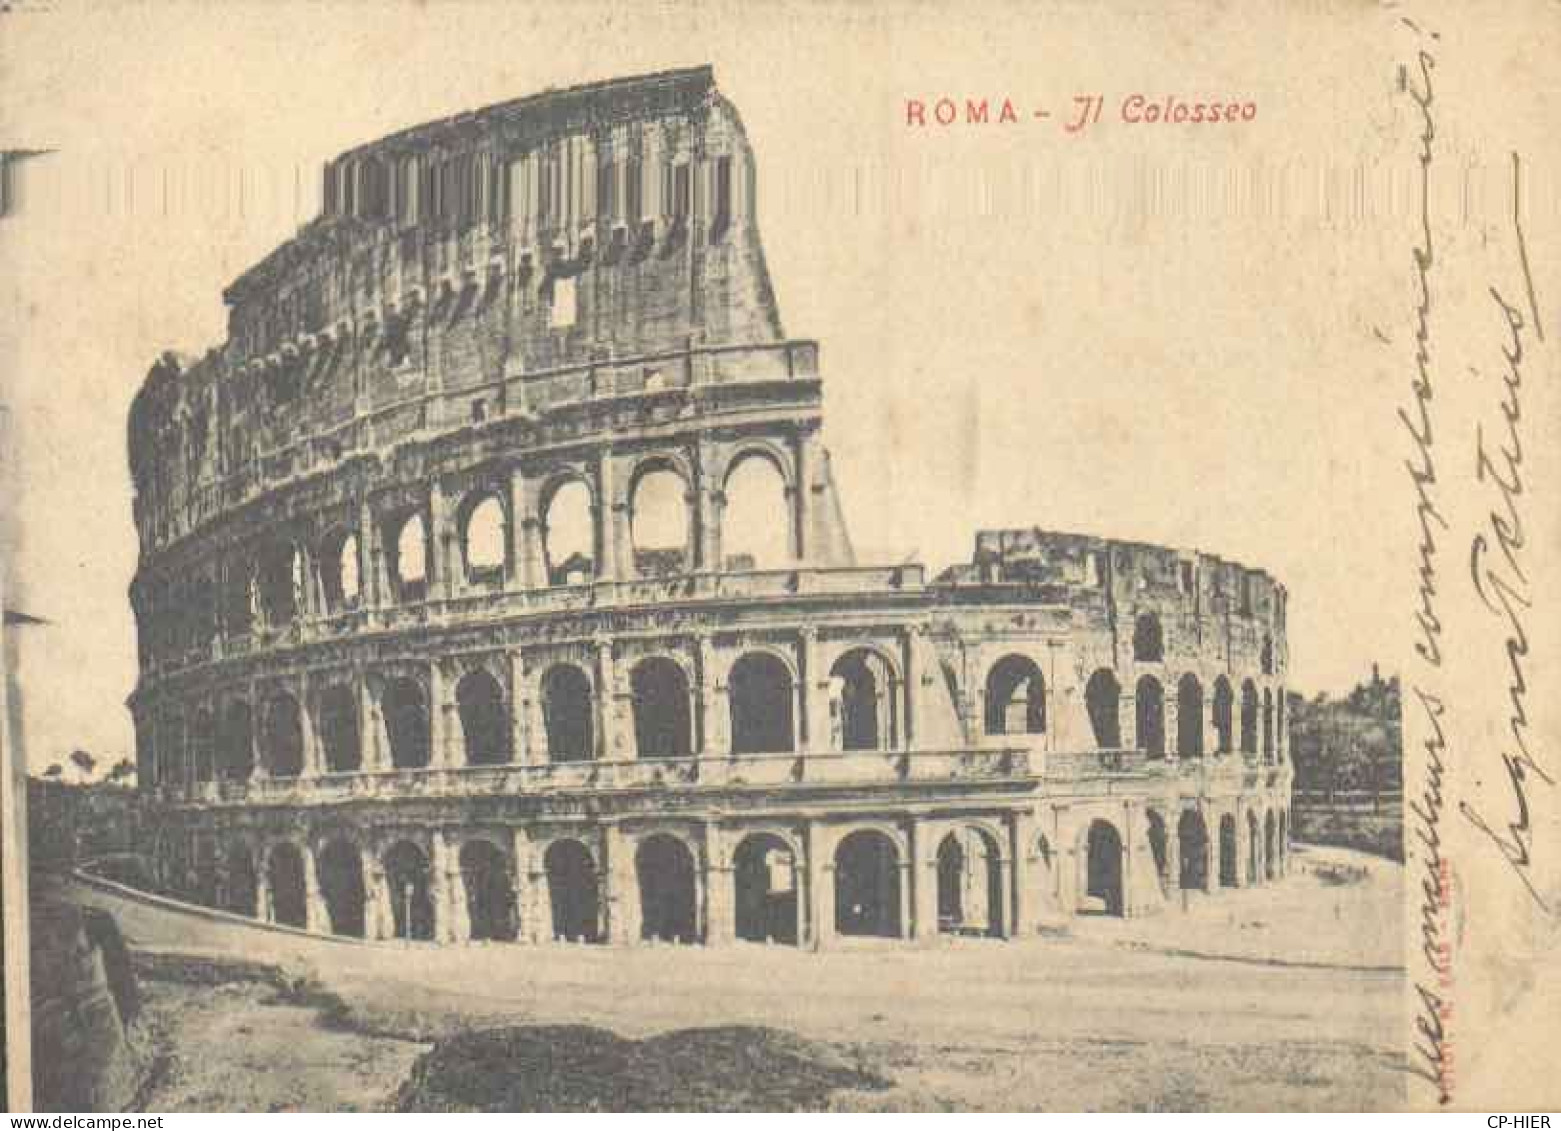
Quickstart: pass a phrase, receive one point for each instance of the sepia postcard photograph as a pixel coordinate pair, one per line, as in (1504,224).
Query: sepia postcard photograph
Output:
(796,556)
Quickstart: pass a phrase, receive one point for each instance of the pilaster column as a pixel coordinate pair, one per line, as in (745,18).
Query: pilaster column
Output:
(611,517)
(265,911)
(814,714)
(438,719)
(312,761)
(713,739)
(720,904)
(442,537)
(317,917)
(520,712)
(371,556)
(1243,846)
(821,888)
(1023,910)
(705,543)
(368,725)
(530,885)
(613,747)
(529,550)
(809,490)
(459,914)
(378,919)
(924,882)
(619,902)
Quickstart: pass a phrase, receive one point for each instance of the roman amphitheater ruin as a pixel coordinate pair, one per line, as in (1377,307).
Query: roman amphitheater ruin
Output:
(494,585)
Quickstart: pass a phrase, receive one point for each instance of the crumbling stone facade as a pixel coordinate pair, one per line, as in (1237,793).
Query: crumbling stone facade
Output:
(420,659)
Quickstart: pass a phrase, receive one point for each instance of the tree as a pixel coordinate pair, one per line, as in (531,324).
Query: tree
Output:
(84,762)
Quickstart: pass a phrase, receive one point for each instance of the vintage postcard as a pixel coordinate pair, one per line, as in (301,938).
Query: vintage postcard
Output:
(792,556)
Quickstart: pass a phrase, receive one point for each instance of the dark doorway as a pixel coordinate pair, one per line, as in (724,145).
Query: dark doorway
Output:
(405,708)
(411,901)
(285,875)
(668,902)
(1151,717)
(566,712)
(863,696)
(1194,837)
(662,720)
(1269,846)
(1159,849)
(761,694)
(284,738)
(1104,867)
(1227,851)
(485,724)
(1015,697)
(341,886)
(867,885)
(970,884)
(339,730)
(490,892)
(1102,695)
(241,882)
(765,872)
(572,894)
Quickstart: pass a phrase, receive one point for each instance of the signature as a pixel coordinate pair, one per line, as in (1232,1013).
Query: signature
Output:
(1500,581)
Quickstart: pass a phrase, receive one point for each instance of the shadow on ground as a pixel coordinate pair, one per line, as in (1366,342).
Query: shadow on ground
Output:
(581,1068)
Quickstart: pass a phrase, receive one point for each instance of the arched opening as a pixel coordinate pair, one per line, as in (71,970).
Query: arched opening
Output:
(1248,718)
(1193,837)
(484,539)
(1254,850)
(490,892)
(668,900)
(1270,846)
(566,714)
(284,738)
(485,722)
(341,886)
(764,871)
(1189,717)
(762,702)
(407,886)
(970,884)
(663,723)
(569,534)
(1103,869)
(572,894)
(1015,697)
(405,709)
(1102,695)
(279,580)
(1159,848)
(861,701)
(1151,717)
(1268,725)
(241,885)
(285,879)
(658,523)
(756,521)
(339,738)
(1223,703)
(408,557)
(1148,640)
(867,885)
(1227,851)
(236,743)
(340,570)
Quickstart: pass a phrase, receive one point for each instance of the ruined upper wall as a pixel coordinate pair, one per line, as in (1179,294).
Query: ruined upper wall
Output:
(460,260)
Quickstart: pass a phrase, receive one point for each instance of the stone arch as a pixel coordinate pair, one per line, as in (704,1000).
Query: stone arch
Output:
(242,885)
(663,720)
(1224,702)
(1148,639)
(404,705)
(867,884)
(567,714)
(660,522)
(1189,717)
(282,737)
(1270,846)
(1104,883)
(568,534)
(1150,709)
(286,884)
(1159,848)
(1102,699)
(341,569)
(1192,835)
(970,882)
(1015,696)
(236,741)
(669,900)
(765,875)
(756,512)
(1248,717)
(408,554)
(483,520)
(486,733)
(863,684)
(340,866)
(572,891)
(761,694)
(1228,871)
(409,888)
(340,741)
(489,886)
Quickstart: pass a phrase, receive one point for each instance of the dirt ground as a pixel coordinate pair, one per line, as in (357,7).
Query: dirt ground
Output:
(1284,998)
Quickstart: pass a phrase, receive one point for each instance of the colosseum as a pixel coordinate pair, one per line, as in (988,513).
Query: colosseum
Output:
(494,585)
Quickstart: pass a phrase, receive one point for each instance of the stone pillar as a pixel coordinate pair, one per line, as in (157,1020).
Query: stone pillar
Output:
(1173,849)
(720,895)
(1021,912)
(923,874)
(610,513)
(1243,845)
(821,887)
(620,899)
(714,740)
(378,919)
(908,733)
(612,746)
(312,761)
(705,531)
(529,551)
(520,712)
(265,911)
(443,538)
(440,720)
(368,725)
(371,557)
(530,884)
(810,488)
(317,916)
(454,915)
(814,714)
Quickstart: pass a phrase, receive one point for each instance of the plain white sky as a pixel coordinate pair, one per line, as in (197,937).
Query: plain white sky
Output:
(1144,332)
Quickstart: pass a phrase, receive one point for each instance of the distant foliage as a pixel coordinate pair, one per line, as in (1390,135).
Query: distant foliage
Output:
(1350,748)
